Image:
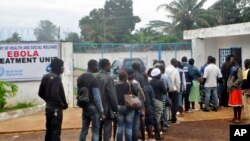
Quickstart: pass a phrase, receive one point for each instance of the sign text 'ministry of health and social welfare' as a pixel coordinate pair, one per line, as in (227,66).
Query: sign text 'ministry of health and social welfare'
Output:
(28,61)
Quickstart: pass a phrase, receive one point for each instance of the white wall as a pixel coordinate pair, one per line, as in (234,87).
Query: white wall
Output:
(211,46)
(81,59)
(28,90)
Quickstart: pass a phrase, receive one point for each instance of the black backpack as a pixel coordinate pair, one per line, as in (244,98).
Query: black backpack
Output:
(82,97)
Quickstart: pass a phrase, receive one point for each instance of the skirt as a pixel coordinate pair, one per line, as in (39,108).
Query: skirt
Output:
(235,98)
(195,92)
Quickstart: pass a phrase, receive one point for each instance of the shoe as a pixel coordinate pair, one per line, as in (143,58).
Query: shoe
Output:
(178,113)
(189,111)
(175,122)
(205,110)
(237,121)
(159,138)
(215,109)
(164,129)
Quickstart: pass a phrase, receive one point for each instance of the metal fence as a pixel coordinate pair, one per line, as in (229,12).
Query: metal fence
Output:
(147,52)
(103,48)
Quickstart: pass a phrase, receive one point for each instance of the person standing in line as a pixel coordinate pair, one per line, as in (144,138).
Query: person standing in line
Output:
(108,97)
(202,88)
(234,84)
(195,89)
(188,82)
(211,76)
(246,89)
(125,115)
(93,111)
(52,92)
(159,90)
(150,116)
(182,89)
(225,70)
(168,85)
(174,75)
(138,77)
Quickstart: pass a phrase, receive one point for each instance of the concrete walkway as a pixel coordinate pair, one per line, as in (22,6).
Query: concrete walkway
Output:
(72,120)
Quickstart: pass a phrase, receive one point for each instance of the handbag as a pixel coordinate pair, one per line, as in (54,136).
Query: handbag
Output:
(132,101)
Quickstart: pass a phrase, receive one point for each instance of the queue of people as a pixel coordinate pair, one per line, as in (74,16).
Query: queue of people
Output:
(165,92)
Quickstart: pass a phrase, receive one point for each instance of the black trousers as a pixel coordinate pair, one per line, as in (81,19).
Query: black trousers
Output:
(174,98)
(224,95)
(54,118)
(186,97)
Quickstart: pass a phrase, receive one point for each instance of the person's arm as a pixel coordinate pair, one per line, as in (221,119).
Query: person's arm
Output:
(62,98)
(177,80)
(97,99)
(205,76)
(111,94)
(184,81)
(41,91)
(237,83)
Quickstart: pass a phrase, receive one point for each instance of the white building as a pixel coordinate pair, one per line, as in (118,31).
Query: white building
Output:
(219,42)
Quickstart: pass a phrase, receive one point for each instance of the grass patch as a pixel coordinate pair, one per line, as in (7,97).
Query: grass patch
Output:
(16,107)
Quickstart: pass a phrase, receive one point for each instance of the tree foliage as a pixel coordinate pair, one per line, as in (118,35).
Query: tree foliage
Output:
(46,31)
(113,23)
(232,11)
(188,14)
(14,38)
(73,37)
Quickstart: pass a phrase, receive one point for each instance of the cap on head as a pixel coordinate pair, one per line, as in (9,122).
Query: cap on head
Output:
(155,72)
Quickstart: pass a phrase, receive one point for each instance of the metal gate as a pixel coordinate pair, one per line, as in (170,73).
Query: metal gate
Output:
(223,53)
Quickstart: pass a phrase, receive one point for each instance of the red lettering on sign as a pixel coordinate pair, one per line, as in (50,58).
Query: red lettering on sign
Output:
(22,53)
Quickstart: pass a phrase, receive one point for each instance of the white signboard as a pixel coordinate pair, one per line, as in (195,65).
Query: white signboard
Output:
(26,61)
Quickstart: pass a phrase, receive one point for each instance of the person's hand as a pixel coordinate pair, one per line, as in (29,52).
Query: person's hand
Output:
(102,116)
(115,117)
(64,106)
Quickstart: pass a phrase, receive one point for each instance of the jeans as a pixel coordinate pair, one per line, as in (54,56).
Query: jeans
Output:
(90,115)
(209,91)
(180,99)
(125,121)
(135,128)
(54,118)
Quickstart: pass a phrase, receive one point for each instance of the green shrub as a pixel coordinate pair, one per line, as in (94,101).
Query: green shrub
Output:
(7,90)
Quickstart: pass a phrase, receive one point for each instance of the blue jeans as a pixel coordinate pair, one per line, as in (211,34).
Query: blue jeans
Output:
(135,127)
(209,91)
(180,98)
(90,114)
(125,121)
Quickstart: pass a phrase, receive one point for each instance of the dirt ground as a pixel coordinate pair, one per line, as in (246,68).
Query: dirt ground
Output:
(212,130)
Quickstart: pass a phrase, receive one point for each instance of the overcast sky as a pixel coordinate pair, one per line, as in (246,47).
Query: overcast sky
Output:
(67,13)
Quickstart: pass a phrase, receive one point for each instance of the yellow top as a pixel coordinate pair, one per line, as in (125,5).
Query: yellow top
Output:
(244,74)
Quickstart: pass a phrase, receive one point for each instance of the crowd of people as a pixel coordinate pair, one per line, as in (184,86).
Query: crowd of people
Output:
(165,92)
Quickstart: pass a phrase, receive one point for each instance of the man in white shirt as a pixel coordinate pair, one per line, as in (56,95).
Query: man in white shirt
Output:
(173,73)
(211,76)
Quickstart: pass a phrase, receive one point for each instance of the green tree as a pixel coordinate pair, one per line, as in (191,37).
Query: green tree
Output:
(232,11)
(113,23)
(73,37)
(46,31)
(119,20)
(92,26)
(14,38)
(188,14)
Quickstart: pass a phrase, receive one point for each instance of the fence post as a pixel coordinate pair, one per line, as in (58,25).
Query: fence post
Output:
(102,50)
(159,52)
(175,50)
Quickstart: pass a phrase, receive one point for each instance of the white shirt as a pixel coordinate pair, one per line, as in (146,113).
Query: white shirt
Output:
(212,72)
(173,74)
